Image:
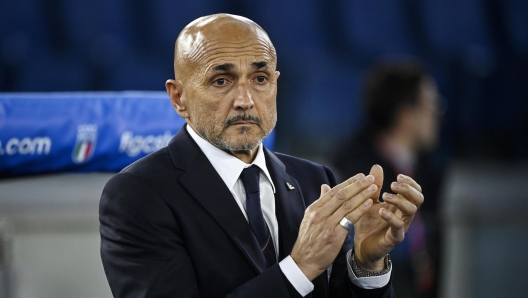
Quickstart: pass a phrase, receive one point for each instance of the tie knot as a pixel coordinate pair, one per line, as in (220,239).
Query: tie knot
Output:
(250,178)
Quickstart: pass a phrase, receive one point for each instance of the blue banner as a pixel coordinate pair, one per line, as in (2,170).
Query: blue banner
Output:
(83,131)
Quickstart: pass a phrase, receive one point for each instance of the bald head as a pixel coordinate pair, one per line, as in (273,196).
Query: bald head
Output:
(207,36)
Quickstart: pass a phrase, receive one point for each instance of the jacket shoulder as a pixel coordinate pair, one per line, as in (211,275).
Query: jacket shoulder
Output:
(155,167)
(296,161)
(306,171)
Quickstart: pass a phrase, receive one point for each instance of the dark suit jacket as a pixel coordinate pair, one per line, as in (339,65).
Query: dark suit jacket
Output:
(171,228)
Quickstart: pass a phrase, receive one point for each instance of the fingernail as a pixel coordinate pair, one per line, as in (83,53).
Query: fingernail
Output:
(383,211)
(372,188)
(396,185)
(387,196)
(368,202)
(404,177)
(369,178)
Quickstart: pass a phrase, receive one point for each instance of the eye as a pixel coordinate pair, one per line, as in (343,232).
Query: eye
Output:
(261,79)
(220,82)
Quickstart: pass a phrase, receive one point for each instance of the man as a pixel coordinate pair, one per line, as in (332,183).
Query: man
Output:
(402,105)
(181,222)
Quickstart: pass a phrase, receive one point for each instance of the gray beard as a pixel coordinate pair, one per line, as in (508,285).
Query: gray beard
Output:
(226,146)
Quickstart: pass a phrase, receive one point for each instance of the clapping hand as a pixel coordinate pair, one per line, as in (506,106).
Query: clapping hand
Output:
(384,225)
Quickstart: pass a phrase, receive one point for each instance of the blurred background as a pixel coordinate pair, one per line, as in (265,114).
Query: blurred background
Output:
(476,50)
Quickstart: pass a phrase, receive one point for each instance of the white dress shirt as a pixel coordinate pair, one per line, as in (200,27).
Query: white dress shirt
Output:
(229,168)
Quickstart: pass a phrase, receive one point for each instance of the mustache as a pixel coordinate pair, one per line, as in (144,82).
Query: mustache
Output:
(242,118)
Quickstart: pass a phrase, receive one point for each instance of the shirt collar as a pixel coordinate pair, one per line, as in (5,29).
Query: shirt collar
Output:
(226,165)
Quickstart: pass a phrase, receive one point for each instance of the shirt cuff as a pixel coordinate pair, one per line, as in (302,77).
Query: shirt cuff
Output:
(296,277)
(371,282)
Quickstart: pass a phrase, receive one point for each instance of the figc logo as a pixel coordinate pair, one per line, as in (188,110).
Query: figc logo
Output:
(85,143)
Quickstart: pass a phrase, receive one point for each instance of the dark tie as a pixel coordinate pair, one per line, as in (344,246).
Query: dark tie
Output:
(250,178)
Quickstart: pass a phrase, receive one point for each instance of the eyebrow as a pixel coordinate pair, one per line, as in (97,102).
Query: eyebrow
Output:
(223,67)
(259,64)
(227,67)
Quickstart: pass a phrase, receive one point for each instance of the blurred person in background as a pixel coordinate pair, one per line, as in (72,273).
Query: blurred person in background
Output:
(403,107)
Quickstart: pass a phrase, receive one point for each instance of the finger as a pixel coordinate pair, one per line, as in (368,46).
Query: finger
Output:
(357,213)
(406,179)
(339,193)
(407,208)
(324,189)
(396,232)
(332,199)
(391,208)
(377,172)
(329,194)
(356,206)
(410,193)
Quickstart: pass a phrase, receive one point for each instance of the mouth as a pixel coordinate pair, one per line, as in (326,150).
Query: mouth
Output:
(243,123)
(242,120)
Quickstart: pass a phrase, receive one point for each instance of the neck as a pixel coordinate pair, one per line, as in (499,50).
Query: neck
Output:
(398,149)
(399,138)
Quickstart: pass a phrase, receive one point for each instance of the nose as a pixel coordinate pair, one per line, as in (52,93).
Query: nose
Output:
(243,100)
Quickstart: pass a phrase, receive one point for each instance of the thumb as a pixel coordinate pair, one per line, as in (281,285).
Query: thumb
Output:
(377,172)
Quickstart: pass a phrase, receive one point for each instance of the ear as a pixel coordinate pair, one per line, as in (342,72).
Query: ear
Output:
(175,91)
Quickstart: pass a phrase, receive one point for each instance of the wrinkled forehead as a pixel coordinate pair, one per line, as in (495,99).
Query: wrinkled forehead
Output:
(221,37)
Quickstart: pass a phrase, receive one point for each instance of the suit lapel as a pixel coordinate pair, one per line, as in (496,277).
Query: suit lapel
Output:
(289,203)
(206,186)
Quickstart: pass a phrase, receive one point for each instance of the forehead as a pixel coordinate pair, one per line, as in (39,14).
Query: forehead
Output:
(246,52)
(231,42)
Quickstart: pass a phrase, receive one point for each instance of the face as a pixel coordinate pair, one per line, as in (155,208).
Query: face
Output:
(427,116)
(226,88)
